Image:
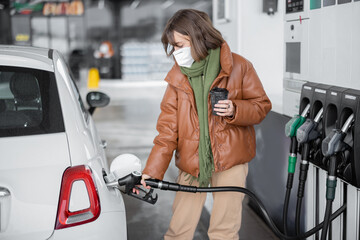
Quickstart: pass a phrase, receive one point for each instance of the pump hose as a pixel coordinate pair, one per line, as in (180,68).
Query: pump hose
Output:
(290,178)
(297,216)
(330,195)
(287,200)
(326,219)
(163,185)
(304,167)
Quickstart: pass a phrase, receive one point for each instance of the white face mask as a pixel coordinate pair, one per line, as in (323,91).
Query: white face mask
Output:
(183,57)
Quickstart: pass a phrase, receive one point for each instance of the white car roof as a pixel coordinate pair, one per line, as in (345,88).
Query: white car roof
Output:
(30,57)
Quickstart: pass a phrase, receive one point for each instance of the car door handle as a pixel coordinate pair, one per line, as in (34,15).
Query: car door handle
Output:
(103,144)
(5,203)
(4,192)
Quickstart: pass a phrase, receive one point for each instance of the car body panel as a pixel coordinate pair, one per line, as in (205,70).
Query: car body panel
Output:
(105,227)
(83,141)
(32,173)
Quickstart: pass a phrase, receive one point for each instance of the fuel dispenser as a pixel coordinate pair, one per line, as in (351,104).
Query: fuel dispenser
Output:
(328,139)
(321,50)
(349,167)
(330,143)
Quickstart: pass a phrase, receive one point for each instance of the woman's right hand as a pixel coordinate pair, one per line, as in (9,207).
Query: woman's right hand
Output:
(143,178)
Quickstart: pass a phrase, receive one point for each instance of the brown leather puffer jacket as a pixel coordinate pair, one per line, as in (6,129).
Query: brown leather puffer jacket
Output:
(232,139)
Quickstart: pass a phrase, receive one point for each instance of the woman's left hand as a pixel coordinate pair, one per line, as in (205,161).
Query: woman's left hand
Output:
(224,108)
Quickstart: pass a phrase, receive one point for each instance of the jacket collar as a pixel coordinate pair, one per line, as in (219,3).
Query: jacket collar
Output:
(176,78)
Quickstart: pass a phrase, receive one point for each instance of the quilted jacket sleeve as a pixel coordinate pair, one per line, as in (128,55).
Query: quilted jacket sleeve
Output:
(255,104)
(166,141)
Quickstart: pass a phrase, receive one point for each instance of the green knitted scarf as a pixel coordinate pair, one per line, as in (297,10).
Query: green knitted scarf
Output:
(201,75)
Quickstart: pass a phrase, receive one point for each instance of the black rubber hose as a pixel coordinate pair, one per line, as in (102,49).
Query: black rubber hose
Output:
(289,184)
(293,145)
(330,195)
(297,216)
(304,167)
(320,225)
(332,165)
(163,185)
(286,205)
(326,219)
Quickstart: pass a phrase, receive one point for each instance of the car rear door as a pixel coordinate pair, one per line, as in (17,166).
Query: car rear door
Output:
(98,144)
(34,153)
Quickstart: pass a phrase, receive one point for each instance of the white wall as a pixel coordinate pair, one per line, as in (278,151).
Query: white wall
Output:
(259,38)
(229,28)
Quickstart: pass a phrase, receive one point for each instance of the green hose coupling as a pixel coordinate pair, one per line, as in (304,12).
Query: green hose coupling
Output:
(292,162)
(330,188)
(293,124)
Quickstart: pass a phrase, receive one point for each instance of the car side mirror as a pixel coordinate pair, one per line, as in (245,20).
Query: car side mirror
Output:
(122,166)
(97,99)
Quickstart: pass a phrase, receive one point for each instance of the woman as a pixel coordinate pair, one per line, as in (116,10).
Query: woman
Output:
(210,149)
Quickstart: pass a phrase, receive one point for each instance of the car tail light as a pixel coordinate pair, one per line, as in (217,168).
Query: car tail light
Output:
(68,217)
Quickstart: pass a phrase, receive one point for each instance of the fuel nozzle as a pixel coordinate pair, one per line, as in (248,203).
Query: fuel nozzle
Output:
(290,131)
(334,142)
(293,124)
(308,130)
(131,181)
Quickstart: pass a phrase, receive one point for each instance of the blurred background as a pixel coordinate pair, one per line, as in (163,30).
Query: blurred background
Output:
(120,38)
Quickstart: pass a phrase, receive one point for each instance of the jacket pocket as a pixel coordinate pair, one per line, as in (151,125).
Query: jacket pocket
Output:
(223,125)
(236,145)
(187,157)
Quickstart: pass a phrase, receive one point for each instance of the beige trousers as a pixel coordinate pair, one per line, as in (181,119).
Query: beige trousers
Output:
(225,217)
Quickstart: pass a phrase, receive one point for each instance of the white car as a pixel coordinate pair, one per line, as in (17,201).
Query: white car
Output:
(52,163)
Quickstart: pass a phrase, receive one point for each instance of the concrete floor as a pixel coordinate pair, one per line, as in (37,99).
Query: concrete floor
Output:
(128,125)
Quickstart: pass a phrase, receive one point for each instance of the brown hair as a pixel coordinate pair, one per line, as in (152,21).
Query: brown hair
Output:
(198,26)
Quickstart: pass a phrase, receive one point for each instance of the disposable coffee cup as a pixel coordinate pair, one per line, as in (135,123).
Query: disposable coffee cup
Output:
(217,94)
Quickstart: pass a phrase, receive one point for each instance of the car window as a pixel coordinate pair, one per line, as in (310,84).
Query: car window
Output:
(29,102)
(76,90)
(82,106)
